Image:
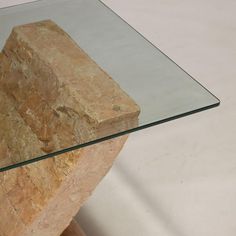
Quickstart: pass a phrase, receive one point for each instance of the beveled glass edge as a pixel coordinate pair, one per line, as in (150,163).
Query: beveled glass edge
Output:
(73,148)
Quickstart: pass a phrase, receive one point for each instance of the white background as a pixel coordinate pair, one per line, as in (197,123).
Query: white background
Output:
(179,178)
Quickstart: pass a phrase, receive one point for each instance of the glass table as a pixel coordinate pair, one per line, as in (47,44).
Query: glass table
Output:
(147,88)
(161,88)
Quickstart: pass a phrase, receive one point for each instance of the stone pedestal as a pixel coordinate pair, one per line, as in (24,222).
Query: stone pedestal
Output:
(53,96)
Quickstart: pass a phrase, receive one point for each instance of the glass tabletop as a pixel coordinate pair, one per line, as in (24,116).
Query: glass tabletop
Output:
(161,89)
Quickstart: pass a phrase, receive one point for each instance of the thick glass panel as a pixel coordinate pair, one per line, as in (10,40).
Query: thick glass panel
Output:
(161,88)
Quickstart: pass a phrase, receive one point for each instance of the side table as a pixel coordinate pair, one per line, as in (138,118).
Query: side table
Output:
(75,81)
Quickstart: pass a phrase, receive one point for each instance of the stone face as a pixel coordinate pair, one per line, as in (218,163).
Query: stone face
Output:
(52,95)
(42,198)
(73,230)
(59,90)
(18,142)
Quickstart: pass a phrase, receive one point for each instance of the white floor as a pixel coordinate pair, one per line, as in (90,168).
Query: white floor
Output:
(179,178)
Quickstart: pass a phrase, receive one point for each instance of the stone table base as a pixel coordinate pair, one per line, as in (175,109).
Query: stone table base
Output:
(54,96)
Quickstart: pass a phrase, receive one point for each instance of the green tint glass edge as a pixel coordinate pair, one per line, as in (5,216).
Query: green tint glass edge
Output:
(215,103)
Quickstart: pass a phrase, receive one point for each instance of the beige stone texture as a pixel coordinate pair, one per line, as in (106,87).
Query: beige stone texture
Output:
(52,96)
(42,198)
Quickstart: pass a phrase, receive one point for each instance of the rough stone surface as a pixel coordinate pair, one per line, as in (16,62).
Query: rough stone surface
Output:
(52,95)
(18,142)
(45,72)
(42,198)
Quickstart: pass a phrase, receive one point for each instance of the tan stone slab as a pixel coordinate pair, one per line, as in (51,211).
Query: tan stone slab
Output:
(59,90)
(52,96)
(42,198)
(17,141)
